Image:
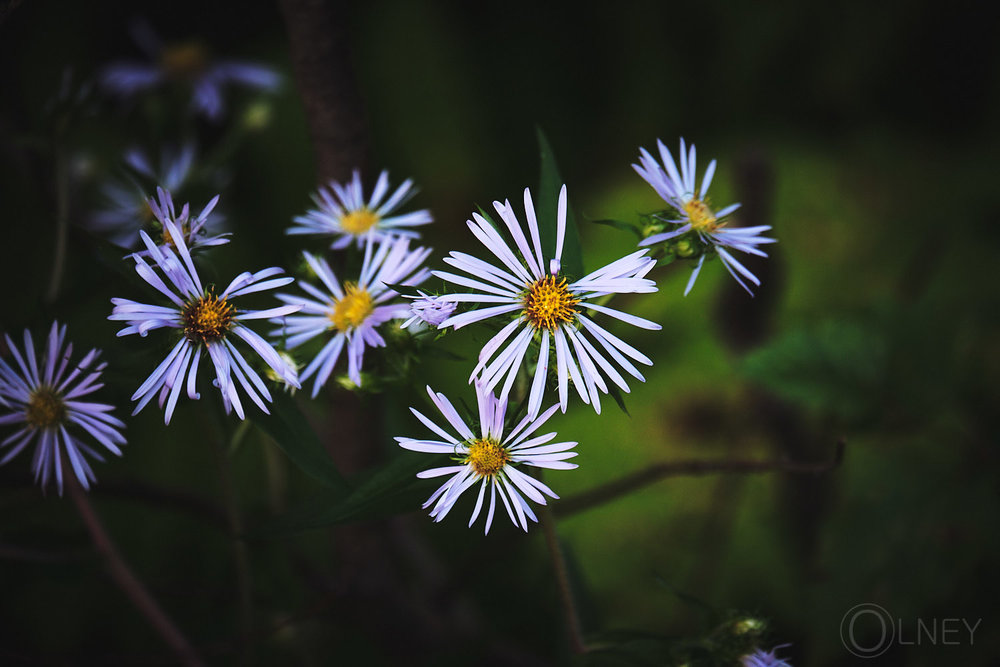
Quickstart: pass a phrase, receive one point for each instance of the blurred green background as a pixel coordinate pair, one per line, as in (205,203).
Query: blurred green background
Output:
(865,133)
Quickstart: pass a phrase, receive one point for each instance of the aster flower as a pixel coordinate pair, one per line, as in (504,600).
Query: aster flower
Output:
(186,63)
(547,308)
(126,209)
(46,400)
(492,458)
(696,216)
(343,212)
(759,658)
(352,310)
(205,322)
(193,229)
(428,310)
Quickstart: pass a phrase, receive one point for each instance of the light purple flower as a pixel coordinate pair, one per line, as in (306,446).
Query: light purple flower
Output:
(187,63)
(491,459)
(205,322)
(759,658)
(427,309)
(352,310)
(343,212)
(192,228)
(540,305)
(44,398)
(677,188)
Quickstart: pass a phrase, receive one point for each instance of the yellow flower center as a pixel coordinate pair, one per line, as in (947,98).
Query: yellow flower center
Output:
(45,408)
(168,240)
(487,457)
(207,319)
(358,222)
(548,303)
(183,61)
(701,216)
(353,309)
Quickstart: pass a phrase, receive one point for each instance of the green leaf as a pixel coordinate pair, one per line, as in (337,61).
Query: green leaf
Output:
(390,489)
(288,427)
(839,368)
(546,206)
(616,394)
(618,224)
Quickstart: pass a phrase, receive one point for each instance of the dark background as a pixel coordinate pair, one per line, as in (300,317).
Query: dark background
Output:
(865,133)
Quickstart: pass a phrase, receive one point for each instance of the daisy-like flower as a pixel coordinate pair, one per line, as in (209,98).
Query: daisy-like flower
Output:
(492,458)
(695,214)
(760,658)
(546,307)
(205,322)
(343,213)
(428,310)
(352,311)
(45,398)
(193,229)
(126,208)
(185,63)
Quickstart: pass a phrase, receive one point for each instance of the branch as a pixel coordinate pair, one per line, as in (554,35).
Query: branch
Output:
(127,581)
(636,480)
(318,36)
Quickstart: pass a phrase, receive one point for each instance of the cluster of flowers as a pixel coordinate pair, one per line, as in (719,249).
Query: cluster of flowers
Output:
(546,328)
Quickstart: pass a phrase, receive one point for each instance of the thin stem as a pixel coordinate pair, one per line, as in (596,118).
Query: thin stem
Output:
(562,579)
(127,581)
(62,225)
(240,556)
(636,480)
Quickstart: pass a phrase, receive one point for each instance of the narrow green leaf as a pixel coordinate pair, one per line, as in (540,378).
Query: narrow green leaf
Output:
(392,488)
(618,224)
(546,206)
(616,394)
(288,427)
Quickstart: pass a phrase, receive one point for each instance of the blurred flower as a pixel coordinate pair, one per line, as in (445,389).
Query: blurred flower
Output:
(343,212)
(431,310)
(352,310)
(695,215)
(204,321)
(761,659)
(187,63)
(46,399)
(127,209)
(492,457)
(546,306)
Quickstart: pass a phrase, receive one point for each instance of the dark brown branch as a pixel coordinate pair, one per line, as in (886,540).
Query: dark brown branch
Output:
(127,581)
(637,480)
(318,36)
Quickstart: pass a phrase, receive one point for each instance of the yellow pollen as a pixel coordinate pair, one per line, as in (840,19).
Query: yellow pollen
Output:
(45,408)
(184,61)
(353,309)
(207,319)
(701,216)
(168,240)
(548,303)
(359,221)
(487,457)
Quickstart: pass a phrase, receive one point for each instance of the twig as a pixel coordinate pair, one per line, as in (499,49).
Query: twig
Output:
(562,579)
(636,480)
(126,580)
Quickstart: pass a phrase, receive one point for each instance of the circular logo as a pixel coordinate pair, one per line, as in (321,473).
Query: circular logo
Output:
(867,630)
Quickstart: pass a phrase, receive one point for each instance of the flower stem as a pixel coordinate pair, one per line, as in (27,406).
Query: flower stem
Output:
(127,581)
(562,579)
(62,225)
(240,557)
